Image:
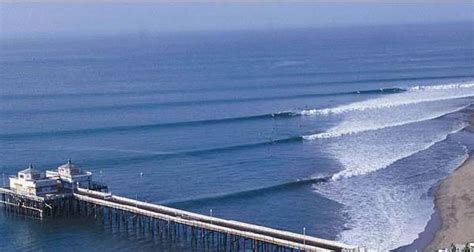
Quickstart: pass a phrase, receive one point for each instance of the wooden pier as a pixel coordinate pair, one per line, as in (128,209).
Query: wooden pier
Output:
(213,234)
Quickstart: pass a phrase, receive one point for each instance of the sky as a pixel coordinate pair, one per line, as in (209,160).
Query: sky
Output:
(52,18)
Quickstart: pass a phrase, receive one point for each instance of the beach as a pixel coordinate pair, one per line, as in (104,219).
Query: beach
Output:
(244,123)
(455,203)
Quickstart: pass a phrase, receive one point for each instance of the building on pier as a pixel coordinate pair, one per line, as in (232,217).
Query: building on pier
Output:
(71,175)
(33,182)
(208,233)
(67,177)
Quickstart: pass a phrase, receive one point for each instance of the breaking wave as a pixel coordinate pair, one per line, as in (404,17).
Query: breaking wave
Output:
(346,132)
(443,87)
(356,171)
(415,95)
(127,128)
(153,105)
(213,89)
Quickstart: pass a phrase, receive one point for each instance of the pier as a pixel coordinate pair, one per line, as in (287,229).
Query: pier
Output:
(204,232)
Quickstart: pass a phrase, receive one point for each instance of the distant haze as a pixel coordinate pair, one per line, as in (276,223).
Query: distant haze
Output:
(34,19)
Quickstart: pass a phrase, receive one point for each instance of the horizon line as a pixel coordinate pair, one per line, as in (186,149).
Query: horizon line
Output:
(153,32)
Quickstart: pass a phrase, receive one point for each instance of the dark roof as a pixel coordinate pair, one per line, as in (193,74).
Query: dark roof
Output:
(69,165)
(30,170)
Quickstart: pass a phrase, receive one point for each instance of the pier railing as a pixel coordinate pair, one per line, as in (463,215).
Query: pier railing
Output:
(220,234)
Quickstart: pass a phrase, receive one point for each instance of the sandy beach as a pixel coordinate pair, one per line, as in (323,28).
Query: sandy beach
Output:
(455,202)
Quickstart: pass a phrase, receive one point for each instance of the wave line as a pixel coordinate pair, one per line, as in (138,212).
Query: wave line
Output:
(92,131)
(248,193)
(198,102)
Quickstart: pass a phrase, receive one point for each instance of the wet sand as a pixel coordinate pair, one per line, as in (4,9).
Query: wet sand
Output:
(455,202)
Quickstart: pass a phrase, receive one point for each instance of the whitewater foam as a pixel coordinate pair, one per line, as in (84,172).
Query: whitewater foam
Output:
(368,130)
(414,95)
(361,169)
(378,221)
(443,87)
(340,131)
(407,132)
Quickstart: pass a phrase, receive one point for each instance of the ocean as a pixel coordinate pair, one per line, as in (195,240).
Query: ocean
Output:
(243,123)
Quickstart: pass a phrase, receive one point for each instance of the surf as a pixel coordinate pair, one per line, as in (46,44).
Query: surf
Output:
(415,95)
(351,172)
(155,126)
(346,132)
(246,193)
(68,95)
(363,120)
(154,105)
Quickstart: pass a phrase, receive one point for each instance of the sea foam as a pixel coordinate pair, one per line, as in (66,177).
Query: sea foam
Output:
(414,95)
(387,107)
(341,131)
(366,129)
(372,164)
(375,216)
(378,143)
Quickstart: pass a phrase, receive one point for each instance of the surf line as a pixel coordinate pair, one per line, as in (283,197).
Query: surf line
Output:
(249,193)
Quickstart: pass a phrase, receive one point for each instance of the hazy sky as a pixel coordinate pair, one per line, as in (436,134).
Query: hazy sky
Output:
(87,18)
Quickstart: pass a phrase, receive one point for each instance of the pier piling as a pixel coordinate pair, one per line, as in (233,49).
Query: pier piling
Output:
(204,233)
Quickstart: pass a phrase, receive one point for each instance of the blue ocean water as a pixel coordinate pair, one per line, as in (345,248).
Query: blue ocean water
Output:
(242,122)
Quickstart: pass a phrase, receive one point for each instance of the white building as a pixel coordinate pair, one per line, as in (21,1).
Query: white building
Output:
(71,175)
(66,178)
(33,182)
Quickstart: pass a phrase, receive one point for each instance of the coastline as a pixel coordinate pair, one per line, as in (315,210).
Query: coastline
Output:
(454,203)
(431,238)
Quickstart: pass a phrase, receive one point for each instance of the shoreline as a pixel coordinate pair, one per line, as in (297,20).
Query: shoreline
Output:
(453,217)
(428,234)
(454,203)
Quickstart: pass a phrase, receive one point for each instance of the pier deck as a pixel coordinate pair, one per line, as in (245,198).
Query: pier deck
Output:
(255,232)
(227,235)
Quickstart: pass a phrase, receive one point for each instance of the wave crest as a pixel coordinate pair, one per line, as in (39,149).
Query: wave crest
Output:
(443,87)
(356,171)
(347,132)
(414,95)
(248,193)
